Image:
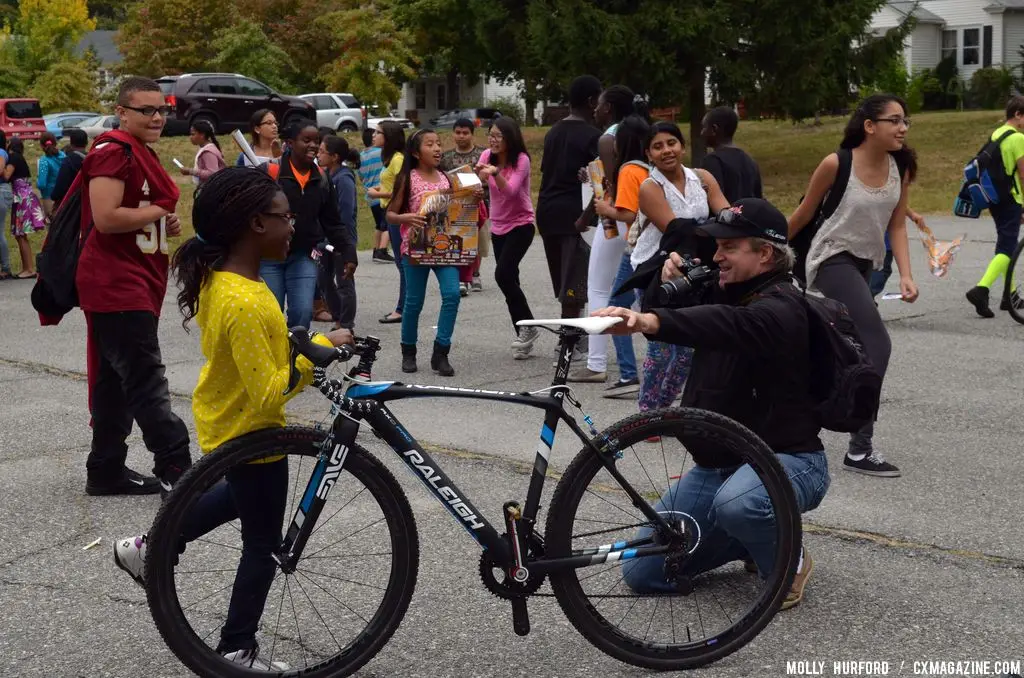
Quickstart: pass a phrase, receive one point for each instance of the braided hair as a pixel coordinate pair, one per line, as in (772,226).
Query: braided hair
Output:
(223,209)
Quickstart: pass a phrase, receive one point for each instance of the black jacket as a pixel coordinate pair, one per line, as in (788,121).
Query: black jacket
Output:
(69,169)
(750,363)
(316,212)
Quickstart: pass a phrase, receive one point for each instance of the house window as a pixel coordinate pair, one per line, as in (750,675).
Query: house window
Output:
(948,45)
(972,46)
(986,47)
(421,95)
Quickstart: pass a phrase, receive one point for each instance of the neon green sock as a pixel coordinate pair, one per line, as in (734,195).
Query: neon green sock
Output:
(996,268)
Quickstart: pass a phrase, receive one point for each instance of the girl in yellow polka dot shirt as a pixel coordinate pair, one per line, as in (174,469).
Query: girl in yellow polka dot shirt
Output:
(240,216)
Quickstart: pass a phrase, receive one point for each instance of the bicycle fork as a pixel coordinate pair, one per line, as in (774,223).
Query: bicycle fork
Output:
(329,465)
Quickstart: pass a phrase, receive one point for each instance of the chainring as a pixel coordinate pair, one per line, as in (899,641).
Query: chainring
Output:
(508,588)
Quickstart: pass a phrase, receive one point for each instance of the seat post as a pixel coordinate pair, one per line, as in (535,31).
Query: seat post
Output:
(569,337)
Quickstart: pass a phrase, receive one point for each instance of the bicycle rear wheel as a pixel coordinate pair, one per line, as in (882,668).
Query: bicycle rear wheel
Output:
(1014,292)
(591,514)
(347,594)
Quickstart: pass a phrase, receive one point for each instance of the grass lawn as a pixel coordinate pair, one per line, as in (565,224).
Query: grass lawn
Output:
(787,154)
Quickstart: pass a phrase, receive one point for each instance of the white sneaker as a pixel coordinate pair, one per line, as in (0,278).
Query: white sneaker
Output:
(526,338)
(251,659)
(130,556)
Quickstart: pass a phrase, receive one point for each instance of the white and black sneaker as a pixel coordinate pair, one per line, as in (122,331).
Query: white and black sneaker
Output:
(872,465)
(251,659)
(523,342)
(130,556)
(623,388)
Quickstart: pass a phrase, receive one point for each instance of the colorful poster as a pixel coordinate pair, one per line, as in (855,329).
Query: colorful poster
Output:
(451,234)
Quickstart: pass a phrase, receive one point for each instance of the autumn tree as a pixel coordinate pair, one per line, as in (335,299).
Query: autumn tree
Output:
(245,48)
(172,36)
(67,86)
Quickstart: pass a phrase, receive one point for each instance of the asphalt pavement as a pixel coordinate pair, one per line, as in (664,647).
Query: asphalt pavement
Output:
(923,568)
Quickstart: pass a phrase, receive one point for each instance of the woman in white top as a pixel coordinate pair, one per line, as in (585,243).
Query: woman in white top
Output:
(851,243)
(266,143)
(673,191)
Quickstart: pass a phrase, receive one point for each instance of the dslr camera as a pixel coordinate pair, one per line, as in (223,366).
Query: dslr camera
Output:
(687,289)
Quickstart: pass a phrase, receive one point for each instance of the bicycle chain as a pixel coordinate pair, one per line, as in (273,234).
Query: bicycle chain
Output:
(507,588)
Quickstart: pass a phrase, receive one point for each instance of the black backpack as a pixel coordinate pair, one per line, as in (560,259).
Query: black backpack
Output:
(985,181)
(845,384)
(55,294)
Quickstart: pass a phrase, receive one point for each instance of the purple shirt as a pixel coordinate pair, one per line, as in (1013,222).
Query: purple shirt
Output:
(512,206)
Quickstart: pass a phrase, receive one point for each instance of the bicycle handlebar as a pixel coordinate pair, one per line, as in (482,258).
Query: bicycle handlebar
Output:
(323,356)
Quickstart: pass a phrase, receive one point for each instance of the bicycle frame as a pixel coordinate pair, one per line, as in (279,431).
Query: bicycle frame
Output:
(367,402)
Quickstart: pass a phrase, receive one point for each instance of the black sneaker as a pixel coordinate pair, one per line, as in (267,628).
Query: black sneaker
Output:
(169,478)
(381,256)
(622,388)
(872,465)
(978,296)
(130,483)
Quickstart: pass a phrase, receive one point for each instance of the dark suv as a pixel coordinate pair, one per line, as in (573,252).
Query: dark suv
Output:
(482,117)
(226,100)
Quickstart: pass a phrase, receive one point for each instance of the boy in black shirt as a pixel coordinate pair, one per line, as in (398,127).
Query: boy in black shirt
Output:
(568,146)
(72,165)
(735,171)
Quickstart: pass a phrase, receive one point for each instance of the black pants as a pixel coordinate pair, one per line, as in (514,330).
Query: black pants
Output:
(845,279)
(1007,218)
(256,494)
(339,293)
(128,384)
(509,250)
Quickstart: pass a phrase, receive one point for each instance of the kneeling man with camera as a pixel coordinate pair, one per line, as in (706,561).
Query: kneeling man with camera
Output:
(751,363)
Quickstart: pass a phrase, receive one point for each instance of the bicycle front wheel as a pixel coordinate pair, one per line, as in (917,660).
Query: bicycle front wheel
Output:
(334,612)
(1014,293)
(626,605)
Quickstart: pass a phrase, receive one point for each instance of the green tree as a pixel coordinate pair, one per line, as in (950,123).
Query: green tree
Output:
(67,86)
(110,14)
(48,31)
(245,48)
(505,40)
(371,53)
(793,57)
(172,36)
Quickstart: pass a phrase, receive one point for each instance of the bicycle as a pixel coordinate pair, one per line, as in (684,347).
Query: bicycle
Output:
(598,526)
(1013,293)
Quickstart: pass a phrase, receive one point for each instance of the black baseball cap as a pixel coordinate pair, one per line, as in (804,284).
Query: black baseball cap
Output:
(749,218)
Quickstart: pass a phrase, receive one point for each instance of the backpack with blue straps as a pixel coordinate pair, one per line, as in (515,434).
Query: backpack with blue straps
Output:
(986,182)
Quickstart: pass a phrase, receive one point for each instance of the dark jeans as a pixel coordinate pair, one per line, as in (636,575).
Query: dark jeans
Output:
(881,277)
(1007,218)
(128,383)
(509,250)
(379,222)
(339,293)
(255,494)
(845,279)
(395,232)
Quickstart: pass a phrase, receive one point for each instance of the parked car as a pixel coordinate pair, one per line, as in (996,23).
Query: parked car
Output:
(97,125)
(340,111)
(21,118)
(56,123)
(481,116)
(226,101)
(376,115)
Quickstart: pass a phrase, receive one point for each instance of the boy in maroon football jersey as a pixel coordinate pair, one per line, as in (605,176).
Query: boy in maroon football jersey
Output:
(121,281)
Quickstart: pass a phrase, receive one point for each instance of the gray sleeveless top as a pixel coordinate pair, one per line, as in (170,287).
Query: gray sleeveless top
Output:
(859,223)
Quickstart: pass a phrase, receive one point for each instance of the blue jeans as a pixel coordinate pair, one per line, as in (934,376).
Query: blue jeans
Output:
(624,344)
(255,494)
(416,291)
(395,231)
(735,517)
(880,277)
(294,279)
(6,201)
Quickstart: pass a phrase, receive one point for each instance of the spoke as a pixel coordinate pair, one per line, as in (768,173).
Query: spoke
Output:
(615,529)
(227,569)
(651,623)
(595,574)
(628,611)
(217,543)
(347,555)
(354,497)
(295,488)
(277,626)
(331,595)
(700,617)
(644,468)
(329,632)
(672,617)
(194,603)
(346,537)
(295,614)
(724,611)
(340,579)
(631,515)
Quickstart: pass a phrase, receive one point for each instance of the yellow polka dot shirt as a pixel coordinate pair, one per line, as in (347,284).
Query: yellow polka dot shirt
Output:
(244,339)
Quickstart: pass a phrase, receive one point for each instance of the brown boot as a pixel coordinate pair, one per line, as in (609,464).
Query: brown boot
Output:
(796,590)
(320,312)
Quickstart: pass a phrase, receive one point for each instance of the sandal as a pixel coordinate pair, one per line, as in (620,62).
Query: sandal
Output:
(323,317)
(22,276)
(391,318)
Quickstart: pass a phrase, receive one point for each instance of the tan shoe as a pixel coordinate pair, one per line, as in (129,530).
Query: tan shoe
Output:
(586,375)
(796,590)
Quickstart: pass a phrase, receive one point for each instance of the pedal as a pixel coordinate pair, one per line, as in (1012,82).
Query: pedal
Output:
(520,617)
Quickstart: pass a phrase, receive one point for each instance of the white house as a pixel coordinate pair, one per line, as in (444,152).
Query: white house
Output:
(978,32)
(426,97)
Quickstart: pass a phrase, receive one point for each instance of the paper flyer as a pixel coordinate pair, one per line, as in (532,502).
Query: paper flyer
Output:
(940,252)
(597,178)
(451,235)
(244,147)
